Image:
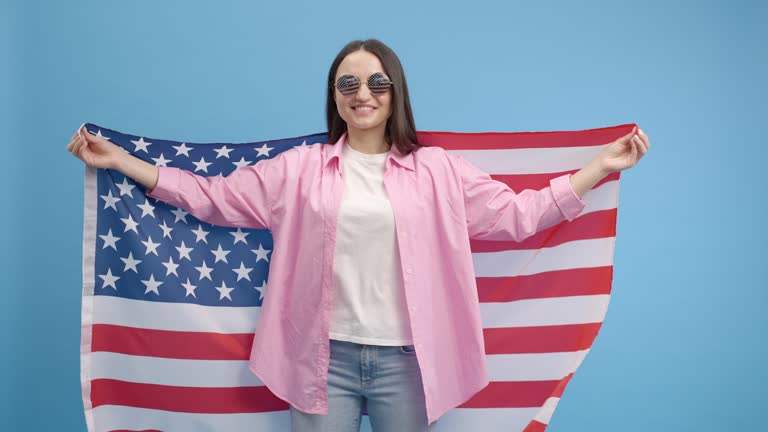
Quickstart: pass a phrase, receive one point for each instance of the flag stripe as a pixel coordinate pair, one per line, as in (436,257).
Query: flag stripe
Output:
(559,283)
(575,254)
(540,181)
(503,140)
(254,399)
(590,226)
(187,345)
(232,373)
(112,417)
(530,160)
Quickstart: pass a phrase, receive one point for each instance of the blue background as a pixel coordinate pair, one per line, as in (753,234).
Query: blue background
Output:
(683,346)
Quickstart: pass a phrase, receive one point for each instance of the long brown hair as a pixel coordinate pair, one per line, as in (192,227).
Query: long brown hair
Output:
(401,128)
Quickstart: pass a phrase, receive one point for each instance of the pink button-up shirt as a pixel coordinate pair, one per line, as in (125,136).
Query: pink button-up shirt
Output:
(439,201)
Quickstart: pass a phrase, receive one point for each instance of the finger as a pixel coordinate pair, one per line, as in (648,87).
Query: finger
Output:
(628,136)
(644,137)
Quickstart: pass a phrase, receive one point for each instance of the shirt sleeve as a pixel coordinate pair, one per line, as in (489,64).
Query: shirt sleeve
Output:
(244,198)
(495,212)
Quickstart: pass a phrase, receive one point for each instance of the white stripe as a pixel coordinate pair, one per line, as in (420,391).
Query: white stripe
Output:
(235,373)
(111,417)
(530,161)
(174,316)
(486,419)
(574,254)
(173,372)
(603,197)
(87,308)
(533,367)
(545,414)
(545,311)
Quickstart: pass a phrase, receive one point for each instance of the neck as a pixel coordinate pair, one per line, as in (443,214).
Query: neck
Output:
(370,141)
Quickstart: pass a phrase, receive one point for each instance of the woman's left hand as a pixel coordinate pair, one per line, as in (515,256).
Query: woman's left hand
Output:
(625,152)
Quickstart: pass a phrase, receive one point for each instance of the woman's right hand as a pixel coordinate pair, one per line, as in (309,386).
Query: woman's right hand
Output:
(95,151)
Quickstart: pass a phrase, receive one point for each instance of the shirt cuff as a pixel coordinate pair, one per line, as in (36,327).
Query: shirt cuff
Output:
(567,201)
(167,183)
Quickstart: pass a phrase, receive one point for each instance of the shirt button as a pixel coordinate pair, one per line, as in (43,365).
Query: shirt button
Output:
(409,270)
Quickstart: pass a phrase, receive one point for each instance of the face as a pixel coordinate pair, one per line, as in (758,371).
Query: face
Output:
(363,109)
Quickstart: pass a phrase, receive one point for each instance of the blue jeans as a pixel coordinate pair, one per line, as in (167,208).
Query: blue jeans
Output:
(386,377)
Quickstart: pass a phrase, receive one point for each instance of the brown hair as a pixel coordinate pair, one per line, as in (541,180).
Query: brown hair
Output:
(401,128)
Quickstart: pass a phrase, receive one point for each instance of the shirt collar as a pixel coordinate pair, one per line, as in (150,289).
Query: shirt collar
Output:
(405,161)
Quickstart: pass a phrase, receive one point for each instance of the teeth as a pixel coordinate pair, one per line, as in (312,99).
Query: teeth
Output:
(362,108)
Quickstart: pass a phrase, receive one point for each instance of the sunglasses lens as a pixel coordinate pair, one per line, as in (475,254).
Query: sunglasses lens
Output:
(379,83)
(347,84)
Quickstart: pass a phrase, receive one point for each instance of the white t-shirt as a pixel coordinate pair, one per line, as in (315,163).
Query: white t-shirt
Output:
(369,299)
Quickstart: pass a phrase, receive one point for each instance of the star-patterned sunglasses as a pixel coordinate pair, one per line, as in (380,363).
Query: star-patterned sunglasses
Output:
(348,84)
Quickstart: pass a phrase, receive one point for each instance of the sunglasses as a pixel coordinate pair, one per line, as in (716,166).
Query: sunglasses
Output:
(348,84)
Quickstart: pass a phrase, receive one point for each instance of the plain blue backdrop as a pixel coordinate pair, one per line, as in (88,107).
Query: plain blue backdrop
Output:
(683,346)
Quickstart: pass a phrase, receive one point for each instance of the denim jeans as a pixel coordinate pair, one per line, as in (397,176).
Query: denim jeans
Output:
(386,377)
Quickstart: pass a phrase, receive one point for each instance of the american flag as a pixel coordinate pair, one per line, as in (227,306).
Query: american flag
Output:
(170,303)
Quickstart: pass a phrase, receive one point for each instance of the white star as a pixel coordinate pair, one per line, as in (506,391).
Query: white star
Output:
(99,135)
(205,271)
(240,236)
(242,272)
(161,161)
(223,152)
(170,267)
(125,187)
(141,145)
(110,200)
(180,214)
(262,289)
(202,165)
(221,255)
(152,285)
(146,209)
(200,234)
(224,291)
(242,163)
(184,251)
(151,247)
(130,224)
(109,240)
(190,289)
(264,150)
(130,263)
(182,149)
(261,253)
(109,279)
(166,230)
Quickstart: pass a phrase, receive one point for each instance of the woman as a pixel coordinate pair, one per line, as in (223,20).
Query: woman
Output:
(371,294)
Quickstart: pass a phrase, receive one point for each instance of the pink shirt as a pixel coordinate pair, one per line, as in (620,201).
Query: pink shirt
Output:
(439,201)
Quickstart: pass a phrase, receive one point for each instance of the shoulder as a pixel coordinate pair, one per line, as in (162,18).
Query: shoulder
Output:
(434,157)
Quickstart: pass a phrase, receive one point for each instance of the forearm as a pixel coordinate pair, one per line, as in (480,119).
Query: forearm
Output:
(135,168)
(587,177)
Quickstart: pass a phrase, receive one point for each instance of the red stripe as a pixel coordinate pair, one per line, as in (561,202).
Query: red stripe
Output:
(232,400)
(540,339)
(520,182)
(599,224)
(512,140)
(202,346)
(512,394)
(560,283)
(209,400)
(171,344)
(535,426)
